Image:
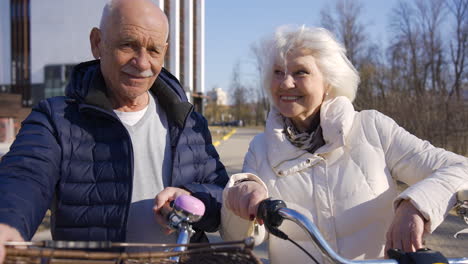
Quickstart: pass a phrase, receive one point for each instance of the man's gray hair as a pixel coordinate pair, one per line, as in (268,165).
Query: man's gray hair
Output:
(329,54)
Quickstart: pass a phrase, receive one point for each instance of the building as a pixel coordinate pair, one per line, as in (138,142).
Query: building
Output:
(218,95)
(43,40)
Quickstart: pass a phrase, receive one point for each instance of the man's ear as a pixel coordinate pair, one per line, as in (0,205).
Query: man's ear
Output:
(165,49)
(95,40)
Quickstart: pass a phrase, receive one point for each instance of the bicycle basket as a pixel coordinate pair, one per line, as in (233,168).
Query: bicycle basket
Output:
(208,253)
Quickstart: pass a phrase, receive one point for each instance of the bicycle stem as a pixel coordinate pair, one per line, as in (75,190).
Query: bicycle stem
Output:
(185,231)
(186,210)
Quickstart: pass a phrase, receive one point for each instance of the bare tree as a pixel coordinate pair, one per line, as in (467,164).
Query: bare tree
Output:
(407,47)
(258,53)
(240,95)
(344,21)
(459,46)
(410,69)
(430,14)
(420,76)
(373,87)
(457,120)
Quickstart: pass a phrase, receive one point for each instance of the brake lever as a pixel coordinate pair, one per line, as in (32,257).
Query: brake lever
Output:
(462,210)
(268,211)
(462,205)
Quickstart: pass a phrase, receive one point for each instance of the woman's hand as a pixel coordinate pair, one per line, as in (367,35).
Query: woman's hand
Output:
(407,229)
(243,199)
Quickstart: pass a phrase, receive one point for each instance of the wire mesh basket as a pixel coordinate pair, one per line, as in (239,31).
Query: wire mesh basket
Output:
(239,252)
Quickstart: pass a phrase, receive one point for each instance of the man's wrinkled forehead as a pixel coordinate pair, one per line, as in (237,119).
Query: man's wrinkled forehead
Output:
(144,14)
(136,33)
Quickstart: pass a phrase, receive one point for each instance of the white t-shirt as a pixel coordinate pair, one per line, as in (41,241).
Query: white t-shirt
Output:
(148,129)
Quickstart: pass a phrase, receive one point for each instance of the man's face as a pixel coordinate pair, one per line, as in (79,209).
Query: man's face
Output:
(132,54)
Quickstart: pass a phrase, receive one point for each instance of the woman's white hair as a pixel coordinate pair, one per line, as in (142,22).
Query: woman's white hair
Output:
(330,56)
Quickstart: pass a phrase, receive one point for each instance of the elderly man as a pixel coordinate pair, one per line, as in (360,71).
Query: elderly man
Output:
(123,133)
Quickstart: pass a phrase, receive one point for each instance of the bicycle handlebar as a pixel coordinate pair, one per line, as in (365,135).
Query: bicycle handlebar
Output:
(320,241)
(273,212)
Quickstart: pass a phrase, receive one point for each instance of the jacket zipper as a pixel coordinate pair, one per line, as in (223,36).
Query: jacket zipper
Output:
(129,197)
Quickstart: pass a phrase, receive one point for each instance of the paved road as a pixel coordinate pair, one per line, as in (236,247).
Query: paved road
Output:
(442,239)
(233,150)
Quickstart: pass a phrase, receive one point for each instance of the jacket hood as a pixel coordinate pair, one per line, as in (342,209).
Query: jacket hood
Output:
(81,79)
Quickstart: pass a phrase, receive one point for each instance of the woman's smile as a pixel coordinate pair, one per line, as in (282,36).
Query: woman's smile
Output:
(289,98)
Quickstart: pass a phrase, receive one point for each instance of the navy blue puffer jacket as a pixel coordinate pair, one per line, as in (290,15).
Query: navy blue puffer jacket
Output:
(73,155)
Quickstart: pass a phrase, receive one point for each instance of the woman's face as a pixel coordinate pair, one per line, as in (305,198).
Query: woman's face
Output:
(297,88)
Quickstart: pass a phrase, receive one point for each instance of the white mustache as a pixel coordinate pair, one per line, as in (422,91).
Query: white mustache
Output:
(135,72)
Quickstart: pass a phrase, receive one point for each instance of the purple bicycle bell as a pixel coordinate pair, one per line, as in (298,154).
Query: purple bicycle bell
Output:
(190,207)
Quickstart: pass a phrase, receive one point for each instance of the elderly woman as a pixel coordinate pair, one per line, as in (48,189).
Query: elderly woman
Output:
(337,166)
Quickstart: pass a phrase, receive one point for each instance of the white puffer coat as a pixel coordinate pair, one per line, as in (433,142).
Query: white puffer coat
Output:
(348,187)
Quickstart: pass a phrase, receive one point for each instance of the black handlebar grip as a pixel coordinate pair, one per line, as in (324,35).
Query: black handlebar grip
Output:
(268,212)
(421,256)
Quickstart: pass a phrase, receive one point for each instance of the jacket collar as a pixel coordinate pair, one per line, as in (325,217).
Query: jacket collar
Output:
(336,119)
(175,108)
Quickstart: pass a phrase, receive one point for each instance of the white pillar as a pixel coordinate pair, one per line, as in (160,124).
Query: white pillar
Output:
(174,47)
(200,49)
(188,48)
(160,3)
(10,130)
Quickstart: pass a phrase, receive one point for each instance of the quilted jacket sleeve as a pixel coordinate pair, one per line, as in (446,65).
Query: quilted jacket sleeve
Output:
(210,179)
(29,172)
(434,174)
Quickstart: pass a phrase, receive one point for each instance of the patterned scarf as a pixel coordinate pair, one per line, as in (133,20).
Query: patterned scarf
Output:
(310,141)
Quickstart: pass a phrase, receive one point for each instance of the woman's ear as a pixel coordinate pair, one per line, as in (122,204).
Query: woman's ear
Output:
(327,91)
(95,40)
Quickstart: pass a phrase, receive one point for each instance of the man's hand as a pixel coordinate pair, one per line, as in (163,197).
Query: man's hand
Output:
(7,233)
(162,208)
(243,199)
(407,229)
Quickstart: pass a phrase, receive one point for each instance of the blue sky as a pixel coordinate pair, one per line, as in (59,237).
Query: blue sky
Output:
(231,27)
